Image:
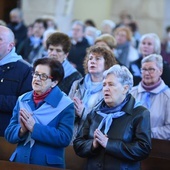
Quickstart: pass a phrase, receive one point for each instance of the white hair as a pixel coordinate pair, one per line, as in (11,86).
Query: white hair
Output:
(122,73)
(108,22)
(156,39)
(154,58)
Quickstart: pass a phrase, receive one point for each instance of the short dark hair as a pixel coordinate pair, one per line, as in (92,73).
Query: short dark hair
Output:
(40,20)
(90,22)
(59,38)
(56,68)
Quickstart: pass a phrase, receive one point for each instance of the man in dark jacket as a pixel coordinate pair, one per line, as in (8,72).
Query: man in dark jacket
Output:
(15,76)
(78,47)
(17,26)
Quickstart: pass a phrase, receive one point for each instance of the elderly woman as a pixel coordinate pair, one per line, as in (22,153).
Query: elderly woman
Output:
(116,134)
(149,44)
(155,95)
(43,119)
(87,91)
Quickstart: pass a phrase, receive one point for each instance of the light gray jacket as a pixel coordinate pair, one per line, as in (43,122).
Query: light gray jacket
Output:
(159,109)
(78,90)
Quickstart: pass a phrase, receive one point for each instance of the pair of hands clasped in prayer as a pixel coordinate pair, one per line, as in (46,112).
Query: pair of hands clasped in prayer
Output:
(99,137)
(26,121)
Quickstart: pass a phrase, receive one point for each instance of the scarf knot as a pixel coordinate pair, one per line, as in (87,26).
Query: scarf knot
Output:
(107,119)
(109,114)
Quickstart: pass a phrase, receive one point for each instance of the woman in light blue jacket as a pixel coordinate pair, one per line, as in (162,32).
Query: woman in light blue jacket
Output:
(42,121)
(154,94)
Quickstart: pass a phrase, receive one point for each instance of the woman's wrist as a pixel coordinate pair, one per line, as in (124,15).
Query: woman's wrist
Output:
(21,132)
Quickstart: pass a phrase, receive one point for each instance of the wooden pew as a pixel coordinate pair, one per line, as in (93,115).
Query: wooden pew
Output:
(159,158)
(6,165)
(6,149)
(73,161)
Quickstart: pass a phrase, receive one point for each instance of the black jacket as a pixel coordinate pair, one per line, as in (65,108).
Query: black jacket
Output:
(129,140)
(77,54)
(66,83)
(15,79)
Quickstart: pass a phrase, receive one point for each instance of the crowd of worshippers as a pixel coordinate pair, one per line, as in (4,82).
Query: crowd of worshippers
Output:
(104,91)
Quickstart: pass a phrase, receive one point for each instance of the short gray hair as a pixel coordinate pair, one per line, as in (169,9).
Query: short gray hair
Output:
(157,42)
(122,73)
(154,58)
(79,22)
(17,11)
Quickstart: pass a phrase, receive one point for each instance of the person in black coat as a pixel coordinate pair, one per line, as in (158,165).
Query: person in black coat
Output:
(116,134)
(15,77)
(17,26)
(30,47)
(79,44)
(149,44)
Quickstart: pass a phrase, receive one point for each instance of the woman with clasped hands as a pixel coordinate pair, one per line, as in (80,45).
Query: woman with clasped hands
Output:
(43,119)
(87,91)
(116,134)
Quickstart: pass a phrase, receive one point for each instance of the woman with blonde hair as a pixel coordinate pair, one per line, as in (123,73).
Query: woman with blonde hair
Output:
(124,52)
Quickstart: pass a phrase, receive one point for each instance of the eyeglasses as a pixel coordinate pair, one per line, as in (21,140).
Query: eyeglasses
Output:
(150,70)
(43,76)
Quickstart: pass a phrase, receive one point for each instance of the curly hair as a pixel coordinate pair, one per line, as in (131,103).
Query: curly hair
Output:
(102,51)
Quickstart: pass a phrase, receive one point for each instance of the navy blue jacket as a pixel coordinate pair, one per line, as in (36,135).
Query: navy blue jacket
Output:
(77,54)
(15,79)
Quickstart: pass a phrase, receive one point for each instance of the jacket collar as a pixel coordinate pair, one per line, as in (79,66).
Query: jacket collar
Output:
(53,98)
(154,91)
(128,108)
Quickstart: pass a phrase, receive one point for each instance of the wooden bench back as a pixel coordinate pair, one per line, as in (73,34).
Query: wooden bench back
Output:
(6,149)
(159,158)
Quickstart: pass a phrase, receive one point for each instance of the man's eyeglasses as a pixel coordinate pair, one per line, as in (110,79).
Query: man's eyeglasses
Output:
(43,76)
(150,70)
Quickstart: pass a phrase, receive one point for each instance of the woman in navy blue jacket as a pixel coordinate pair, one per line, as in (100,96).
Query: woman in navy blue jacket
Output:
(43,119)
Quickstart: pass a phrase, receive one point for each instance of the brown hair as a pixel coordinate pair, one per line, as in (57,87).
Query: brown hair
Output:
(56,68)
(103,51)
(126,29)
(59,38)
